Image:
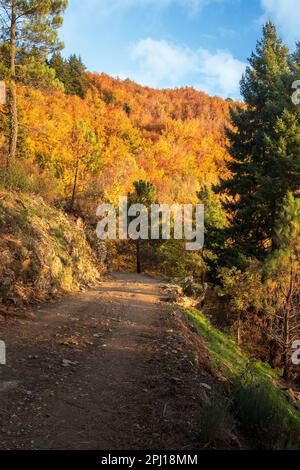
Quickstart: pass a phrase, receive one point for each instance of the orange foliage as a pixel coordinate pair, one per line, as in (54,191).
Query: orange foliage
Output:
(172,138)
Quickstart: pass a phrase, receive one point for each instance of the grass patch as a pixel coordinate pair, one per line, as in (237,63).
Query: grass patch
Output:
(17,179)
(216,422)
(262,409)
(58,234)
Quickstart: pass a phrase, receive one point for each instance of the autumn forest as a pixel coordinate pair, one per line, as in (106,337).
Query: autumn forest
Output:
(71,139)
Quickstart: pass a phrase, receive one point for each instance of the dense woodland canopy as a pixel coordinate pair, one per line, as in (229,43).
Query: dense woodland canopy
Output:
(173,138)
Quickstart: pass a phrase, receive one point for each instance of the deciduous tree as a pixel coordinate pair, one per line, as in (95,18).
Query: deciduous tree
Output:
(30,28)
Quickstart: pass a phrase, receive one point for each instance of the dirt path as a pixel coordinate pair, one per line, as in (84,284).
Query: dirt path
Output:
(99,370)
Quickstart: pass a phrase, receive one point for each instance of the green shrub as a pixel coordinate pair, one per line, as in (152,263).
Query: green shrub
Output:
(175,261)
(17,179)
(28,178)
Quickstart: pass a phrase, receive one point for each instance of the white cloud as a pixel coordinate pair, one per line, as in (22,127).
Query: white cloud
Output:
(286,14)
(220,73)
(161,64)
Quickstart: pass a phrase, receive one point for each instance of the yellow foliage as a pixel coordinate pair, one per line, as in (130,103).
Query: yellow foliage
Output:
(122,132)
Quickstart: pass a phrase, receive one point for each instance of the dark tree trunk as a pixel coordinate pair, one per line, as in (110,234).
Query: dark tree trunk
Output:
(239,329)
(138,257)
(286,355)
(72,203)
(13,110)
(286,326)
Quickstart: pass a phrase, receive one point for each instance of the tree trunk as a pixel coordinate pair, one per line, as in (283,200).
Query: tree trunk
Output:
(138,257)
(239,330)
(286,326)
(13,110)
(203,269)
(72,203)
(286,356)
(274,355)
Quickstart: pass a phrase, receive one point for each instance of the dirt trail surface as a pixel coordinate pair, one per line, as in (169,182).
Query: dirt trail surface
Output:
(105,369)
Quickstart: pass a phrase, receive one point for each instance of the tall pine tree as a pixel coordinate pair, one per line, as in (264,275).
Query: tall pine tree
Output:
(265,149)
(28,27)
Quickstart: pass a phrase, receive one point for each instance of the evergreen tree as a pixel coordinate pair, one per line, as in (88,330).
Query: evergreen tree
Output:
(145,194)
(215,224)
(59,65)
(72,73)
(264,149)
(295,62)
(77,80)
(215,218)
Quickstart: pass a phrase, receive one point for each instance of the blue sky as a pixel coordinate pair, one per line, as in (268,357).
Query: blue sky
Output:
(173,43)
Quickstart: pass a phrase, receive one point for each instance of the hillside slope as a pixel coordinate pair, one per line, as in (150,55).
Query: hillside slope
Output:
(42,251)
(173,138)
